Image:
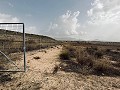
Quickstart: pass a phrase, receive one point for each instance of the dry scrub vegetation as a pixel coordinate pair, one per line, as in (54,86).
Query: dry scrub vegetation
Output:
(11,44)
(90,60)
(47,72)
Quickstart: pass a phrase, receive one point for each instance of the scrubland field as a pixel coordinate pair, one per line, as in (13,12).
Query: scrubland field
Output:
(11,44)
(59,65)
(91,59)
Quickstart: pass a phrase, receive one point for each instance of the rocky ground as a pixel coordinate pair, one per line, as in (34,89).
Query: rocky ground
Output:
(44,73)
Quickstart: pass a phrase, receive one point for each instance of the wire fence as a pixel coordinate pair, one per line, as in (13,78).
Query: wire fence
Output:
(14,43)
(12,47)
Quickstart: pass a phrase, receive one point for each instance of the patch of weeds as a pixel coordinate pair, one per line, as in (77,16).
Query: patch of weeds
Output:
(64,55)
(89,61)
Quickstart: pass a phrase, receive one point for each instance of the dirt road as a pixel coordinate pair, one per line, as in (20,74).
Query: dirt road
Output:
(39,76)
(39,63)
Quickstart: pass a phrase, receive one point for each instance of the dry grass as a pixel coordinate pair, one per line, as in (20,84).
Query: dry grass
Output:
(89,61)
(68,53)
(64,55)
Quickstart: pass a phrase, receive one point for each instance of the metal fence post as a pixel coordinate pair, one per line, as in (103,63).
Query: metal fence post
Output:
(24,48)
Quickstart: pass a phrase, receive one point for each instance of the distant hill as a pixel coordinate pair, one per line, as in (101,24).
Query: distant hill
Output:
(12,41)
(66,39)
(18,36)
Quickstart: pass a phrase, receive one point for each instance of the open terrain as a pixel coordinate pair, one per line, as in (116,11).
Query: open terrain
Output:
(55,65)
(11,44)
(44,73)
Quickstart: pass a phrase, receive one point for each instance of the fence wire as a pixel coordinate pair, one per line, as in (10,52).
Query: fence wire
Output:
(12,47)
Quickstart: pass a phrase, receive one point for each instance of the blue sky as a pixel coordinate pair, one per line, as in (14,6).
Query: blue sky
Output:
(42,12)
(73,19)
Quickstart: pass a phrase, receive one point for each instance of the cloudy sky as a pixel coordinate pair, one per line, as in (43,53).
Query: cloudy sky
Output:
(66,19)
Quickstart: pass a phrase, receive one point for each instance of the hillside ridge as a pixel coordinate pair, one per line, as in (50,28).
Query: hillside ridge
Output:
(28,36)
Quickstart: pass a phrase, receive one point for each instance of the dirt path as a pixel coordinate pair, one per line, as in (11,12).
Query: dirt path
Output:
(36,69)
(39,76)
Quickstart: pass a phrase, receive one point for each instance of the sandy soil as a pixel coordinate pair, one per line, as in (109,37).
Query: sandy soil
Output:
(39,75)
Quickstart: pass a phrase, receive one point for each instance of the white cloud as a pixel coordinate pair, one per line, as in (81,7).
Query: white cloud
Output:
(104,20)
(97,4)
(8,18)
(66,25)
(90,12)
(105,12)
(31,29)
(102,24)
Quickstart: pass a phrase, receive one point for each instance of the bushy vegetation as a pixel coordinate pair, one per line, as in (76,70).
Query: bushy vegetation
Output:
(64,55)
(89,61)
(67,53)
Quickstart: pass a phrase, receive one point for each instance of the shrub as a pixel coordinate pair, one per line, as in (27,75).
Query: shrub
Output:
(88,61)
(108,50)
(85,61)
(98,54)
(104,67)
(64,55)
(30,41)
(90,51)
(116,64)
(72,52)
(30,47)
(13,50)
